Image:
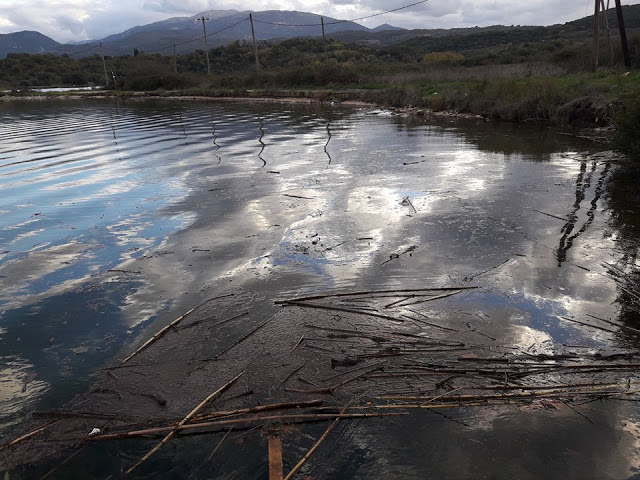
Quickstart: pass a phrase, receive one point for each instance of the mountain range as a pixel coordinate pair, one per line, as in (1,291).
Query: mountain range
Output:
(226,26)
(222,27)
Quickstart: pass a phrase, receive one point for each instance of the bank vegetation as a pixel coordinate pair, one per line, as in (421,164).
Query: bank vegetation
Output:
(529,74)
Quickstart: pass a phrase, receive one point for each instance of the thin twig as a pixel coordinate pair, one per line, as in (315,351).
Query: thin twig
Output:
(172,433)
(311,451)
(171,325)
(215,325)
(370,292)
(30,434)
(239,341)
(437,297)
(339,309)
(587,324)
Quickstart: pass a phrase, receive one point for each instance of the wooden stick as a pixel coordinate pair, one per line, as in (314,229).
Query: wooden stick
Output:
(421,322)
(489,270)
(296,345)
(587,324)
(403,299)
(171,434)
(275,456)
(219,444)
(239,341)
(370,292)
(331,389)
(297,196)
(72,414)
(311,451)
(233,421)
(444,295)
(339,309)
(260,408)
(380,336)
(215,325)
(619,325)
(306,405)
(549,215)
(506,396)
(162,331)
(551,387)
(30,434)
(294,372)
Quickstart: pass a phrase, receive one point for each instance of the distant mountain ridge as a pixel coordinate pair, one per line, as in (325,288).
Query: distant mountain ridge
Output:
(226,26)
(222,26)
(26,42)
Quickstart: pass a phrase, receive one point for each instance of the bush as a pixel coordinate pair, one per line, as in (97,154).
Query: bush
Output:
(442,57)
(157,82)
(627,122)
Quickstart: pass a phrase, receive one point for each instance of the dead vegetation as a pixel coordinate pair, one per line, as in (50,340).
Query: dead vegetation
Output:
(325,358)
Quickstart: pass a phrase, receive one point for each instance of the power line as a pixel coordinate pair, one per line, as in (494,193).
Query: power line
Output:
(341,21)
(83,51)
(378,14)
(199,38)
(173,45)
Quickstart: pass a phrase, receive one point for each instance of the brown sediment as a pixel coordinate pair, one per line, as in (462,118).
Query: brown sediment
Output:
(450,367)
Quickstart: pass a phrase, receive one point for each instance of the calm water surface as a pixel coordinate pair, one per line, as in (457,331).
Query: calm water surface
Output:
(118,217)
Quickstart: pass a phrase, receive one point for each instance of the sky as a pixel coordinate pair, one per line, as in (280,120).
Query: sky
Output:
(78,20)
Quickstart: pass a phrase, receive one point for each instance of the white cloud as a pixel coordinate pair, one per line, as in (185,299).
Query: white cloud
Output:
(74,20)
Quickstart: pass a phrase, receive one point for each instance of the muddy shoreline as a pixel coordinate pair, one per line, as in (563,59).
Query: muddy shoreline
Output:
(579,127)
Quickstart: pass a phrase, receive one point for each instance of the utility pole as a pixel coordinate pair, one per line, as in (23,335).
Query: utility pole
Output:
(255,45)
(322,23)
(104,64)
(596,39)
(605,16)
(623,35)
(175,59)
(206,49)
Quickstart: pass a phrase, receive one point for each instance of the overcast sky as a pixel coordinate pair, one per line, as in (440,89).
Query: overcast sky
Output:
(75,20)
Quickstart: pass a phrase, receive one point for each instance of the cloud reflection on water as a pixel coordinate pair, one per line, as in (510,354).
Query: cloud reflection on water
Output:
(182,226)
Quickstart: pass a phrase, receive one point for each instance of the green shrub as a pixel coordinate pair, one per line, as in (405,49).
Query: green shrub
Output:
(627,122)
(157,82)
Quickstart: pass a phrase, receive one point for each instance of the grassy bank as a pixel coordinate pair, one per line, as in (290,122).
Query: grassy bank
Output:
(511,93)
(520,93)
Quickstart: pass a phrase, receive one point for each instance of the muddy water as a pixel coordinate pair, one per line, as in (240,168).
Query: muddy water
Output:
(118,217)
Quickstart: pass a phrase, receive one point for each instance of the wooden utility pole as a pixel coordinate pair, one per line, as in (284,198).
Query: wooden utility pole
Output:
(175,59)
(255,45)
(623,35)
(596,39)
(206,49)
(104,64)
(322,23)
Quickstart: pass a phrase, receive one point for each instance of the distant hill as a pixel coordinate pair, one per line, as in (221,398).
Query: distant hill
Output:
(226,26)
(385,27)
(482,37)
(26,42)
(232,25)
